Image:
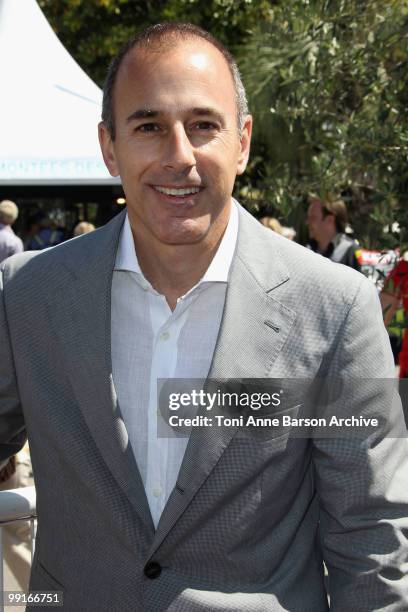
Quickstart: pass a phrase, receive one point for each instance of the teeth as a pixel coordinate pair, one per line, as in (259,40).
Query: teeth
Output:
(178,192)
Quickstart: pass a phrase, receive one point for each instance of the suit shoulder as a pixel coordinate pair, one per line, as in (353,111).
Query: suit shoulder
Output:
(320,275)
(311,275)
(13,264)
(315,263)
(46,265)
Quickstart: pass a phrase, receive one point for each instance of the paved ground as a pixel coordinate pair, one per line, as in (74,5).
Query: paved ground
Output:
(16,537)
(10,584)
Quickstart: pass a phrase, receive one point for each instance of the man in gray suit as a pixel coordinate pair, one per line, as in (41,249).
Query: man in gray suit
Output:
(187,284)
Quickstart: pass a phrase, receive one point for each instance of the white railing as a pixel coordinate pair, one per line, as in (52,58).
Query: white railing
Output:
(16,505)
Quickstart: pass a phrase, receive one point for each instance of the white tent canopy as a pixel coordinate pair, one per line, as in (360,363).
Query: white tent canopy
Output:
(49,107)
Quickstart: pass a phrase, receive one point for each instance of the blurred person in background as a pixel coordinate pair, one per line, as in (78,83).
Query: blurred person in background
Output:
(84,227)
(327,222)
(9,242)
(43,233)
(288,232)
(272,223)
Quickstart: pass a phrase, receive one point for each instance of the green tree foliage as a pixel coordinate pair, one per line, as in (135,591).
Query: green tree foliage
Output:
(328,92)
(326,84)
(94,30)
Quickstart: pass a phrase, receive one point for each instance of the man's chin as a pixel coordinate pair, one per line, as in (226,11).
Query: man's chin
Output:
(182,234)
(182,239)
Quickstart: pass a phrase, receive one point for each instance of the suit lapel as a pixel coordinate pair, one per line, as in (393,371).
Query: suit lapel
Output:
(82,321)
(253,330)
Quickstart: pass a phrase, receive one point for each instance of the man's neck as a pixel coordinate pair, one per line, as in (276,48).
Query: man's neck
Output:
(174,269)
(323,243)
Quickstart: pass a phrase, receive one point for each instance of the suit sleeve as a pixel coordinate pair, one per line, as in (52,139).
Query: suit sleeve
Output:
(362,480)
(12,428)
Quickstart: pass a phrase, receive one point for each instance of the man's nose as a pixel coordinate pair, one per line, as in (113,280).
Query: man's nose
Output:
(178,152)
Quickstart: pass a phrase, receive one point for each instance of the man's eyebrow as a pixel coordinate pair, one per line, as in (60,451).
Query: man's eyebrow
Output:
(207,111)
(199,111)
(143,113)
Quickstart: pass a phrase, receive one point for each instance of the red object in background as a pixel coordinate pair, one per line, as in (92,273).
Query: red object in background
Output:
(376,265)
(368,258)
(396,284)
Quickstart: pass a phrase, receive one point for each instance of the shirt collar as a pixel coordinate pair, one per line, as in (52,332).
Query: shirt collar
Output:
(126,258)
(218,270)
(333,244)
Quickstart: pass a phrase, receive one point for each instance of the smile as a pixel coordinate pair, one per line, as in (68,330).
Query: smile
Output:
(183,191)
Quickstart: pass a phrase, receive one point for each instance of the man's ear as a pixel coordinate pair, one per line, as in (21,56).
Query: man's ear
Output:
(245,143)
(107,148)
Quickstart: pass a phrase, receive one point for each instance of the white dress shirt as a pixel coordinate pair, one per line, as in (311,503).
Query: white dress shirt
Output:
(149,342)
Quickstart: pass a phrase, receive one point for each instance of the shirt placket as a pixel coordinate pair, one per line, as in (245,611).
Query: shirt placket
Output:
(166,328)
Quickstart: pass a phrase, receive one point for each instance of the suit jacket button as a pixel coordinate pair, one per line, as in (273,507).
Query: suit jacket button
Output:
(152,570)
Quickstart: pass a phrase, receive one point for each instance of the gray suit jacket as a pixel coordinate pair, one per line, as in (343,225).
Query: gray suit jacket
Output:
(250,520)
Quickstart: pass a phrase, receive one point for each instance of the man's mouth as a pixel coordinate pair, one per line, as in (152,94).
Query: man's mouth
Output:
(176,191)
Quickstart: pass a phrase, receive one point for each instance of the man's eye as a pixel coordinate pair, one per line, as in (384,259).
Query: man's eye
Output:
(147,127)
(205,125)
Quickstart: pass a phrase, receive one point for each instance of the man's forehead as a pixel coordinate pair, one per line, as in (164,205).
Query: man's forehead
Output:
(175,77)
(199,53)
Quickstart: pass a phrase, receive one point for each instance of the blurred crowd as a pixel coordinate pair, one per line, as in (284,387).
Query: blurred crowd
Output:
(42,232)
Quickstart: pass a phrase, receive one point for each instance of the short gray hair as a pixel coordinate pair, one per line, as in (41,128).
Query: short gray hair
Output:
(8,212)
(158,37)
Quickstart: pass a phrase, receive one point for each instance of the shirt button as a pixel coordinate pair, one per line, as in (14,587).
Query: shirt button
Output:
(157,491)
(164,336)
